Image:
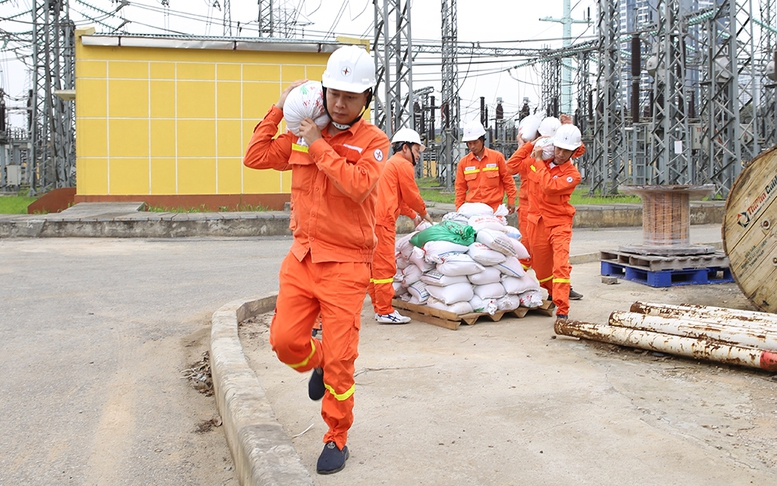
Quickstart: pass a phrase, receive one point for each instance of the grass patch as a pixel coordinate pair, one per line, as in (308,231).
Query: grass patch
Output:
(204,209)
(15,204)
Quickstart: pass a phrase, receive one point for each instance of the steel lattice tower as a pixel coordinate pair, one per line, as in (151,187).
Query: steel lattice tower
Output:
(265,19)
(670,148)
(607,157)
(52,124)
(767,129)
(393,46)
(450,104)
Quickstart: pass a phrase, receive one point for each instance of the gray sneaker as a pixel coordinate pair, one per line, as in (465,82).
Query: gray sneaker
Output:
(574,295)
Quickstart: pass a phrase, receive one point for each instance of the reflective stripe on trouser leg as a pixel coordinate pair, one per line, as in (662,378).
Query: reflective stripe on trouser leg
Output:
(296,310)
(560,239)
(542,256)
(384,267)
(340,288)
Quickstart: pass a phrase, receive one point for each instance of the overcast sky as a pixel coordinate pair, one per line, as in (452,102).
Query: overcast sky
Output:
(510,23)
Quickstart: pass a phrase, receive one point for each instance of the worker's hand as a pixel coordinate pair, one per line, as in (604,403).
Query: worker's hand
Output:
(510,208)
(286,92)
(428,218)
(565,119)
(536,153)
(309,131)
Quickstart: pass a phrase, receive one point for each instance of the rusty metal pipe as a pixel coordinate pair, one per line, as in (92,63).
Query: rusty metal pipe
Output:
(707,349)
(731,331)
(705,313)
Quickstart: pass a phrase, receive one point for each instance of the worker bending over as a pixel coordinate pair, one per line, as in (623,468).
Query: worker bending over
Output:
(334,175)
(397,194)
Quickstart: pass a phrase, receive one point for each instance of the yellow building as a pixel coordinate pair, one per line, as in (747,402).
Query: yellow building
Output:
(167,120)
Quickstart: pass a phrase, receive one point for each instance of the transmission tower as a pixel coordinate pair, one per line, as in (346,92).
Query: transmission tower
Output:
(767,52)
(607,157)
(52,121)
(450,104)
(393,47)
(266,21)
(227,18)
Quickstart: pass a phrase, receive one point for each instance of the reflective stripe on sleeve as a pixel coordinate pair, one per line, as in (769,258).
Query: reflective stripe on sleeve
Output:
(343,396)
(299,148)
(382,280)
(306,360)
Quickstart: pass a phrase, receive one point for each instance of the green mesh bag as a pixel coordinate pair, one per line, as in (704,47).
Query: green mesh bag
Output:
(445,231)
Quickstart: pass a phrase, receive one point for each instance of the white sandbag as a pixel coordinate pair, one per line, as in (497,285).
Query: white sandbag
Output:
(460,292)
(399,289)
(305,101)
(531,299)
(459,264)
(485,221)
(418,293)
(423,225)
(521,252)
(511,267)
(457,308)
(508,302)
(417,257)
(411,274)
(402,262)
(487,276)
(485,255)
(433,277)
(489,291)
(548,149)
(472,209)
(519,285)
(483,305)
(437,251)
(512,232)
(456,217)
(501,212)
(404,246)
(496,240)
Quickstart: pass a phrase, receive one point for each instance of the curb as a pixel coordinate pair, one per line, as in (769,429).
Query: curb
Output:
(261,449)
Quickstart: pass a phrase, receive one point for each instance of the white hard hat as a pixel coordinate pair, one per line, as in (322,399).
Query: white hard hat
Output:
(349,68)
(548,126)
(527,129)
(408,135)
(568,137)
(473,131)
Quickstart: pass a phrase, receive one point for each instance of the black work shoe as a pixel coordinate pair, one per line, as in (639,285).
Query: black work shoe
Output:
(316,387)
(562,317)
(331,459)
(574,295)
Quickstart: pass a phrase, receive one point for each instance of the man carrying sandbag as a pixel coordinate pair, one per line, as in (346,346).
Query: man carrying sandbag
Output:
(327,271)
(397,194)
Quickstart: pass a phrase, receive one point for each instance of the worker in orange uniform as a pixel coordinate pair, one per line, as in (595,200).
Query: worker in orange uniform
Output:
(482,175)
(551,234)
(334,176)
(523,164)
(397,194)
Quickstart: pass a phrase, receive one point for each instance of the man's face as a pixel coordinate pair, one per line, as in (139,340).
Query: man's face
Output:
(561,155)
(344,106)
(476,147)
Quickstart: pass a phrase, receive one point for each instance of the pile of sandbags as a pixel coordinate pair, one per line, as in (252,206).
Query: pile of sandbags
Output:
(467,263)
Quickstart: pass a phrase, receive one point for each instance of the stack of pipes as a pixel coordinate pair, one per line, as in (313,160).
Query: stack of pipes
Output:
(729,336)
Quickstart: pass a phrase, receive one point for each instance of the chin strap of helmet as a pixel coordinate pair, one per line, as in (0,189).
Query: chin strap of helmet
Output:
(341,126)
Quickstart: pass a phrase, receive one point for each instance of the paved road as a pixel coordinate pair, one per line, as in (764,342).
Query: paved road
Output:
(94,335)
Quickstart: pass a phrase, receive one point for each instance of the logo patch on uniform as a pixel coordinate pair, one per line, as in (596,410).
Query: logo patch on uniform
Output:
(378,154)
(569,179)
(490,166)
(471,167)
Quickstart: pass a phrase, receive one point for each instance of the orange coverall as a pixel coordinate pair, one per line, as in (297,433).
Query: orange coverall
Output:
(485,180)
(552,228)
(517,164)
(397,194)
(327,270)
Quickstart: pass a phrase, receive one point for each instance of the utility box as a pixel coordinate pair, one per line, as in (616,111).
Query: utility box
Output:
(13,175)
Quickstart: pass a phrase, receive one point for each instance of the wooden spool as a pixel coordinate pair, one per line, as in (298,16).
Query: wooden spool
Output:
(749,235)
(666,219)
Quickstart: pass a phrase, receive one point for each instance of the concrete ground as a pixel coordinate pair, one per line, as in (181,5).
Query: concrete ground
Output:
(509,402)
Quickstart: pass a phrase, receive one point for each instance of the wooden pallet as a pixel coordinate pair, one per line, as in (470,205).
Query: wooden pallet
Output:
(449,320)
(656,263)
